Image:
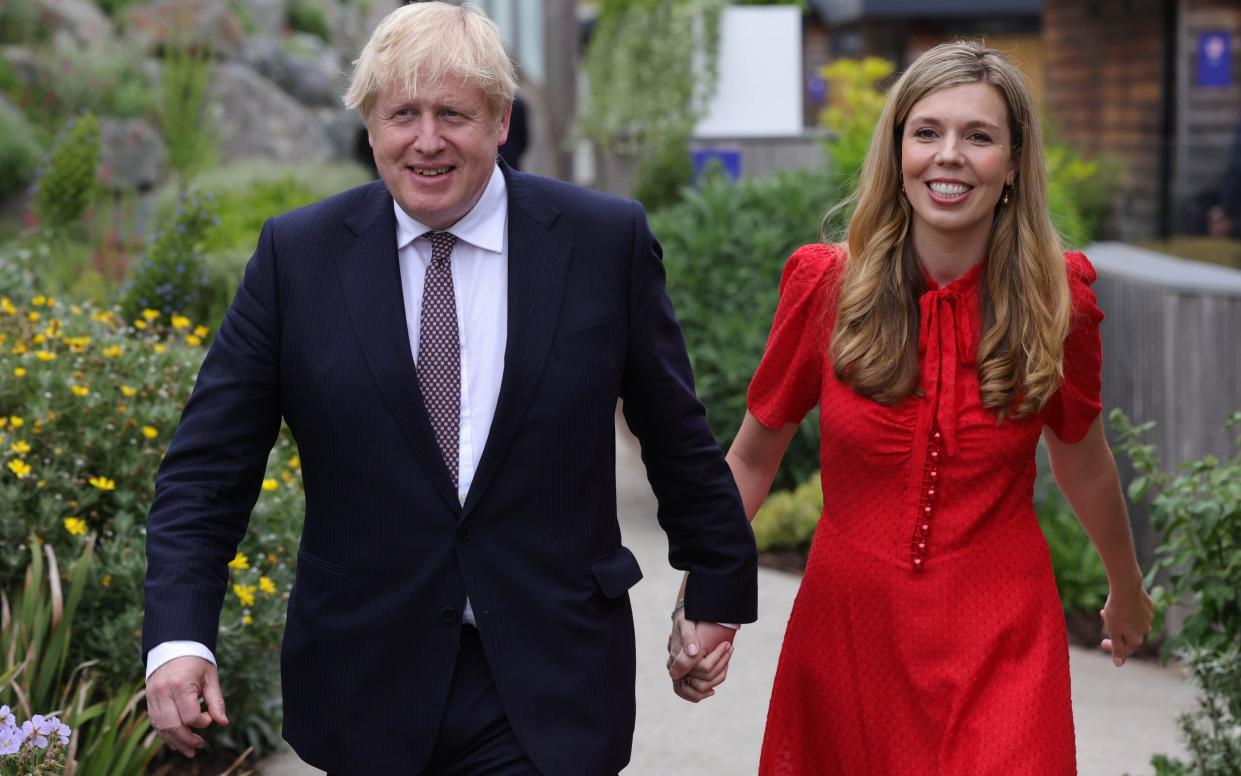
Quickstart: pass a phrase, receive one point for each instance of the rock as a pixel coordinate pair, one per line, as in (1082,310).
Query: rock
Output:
(133,155)
(254,118)
(198,22)
(264,17)
(302,65)
(79,18)
(342,127)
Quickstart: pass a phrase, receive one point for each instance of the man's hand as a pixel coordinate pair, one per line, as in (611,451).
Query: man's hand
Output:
(174,692)
(698,655)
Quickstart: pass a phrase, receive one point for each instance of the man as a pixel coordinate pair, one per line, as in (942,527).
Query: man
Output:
(447,346)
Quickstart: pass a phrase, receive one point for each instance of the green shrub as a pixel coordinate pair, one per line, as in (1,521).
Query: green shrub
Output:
(88,404)
(788,519)
(19,151)
(855,102)
(1198,514)
(172,276)
(725,246)
(184,77)
(311,17)
(109,79)
(68,184)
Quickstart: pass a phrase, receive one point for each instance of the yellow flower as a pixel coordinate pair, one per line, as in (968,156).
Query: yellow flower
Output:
(266,585)
(201,331)
(158,347)
(19,447)
(16,421)
(245,593)
(39,301)
(103,483)
(150,432)
(102,316)
(51,302)
(270,484)
(19,349)
(79,390)
(75,309)
(240,562)
(19,371)
(128,392)
(7,306)
(295,462)
(150,314)
(114,351)
(194,341)
(44,355)
(20,468)
(247,619)
(39,339)
(140,324)
(180,322)
(107,580)
(33,317)
(75,525)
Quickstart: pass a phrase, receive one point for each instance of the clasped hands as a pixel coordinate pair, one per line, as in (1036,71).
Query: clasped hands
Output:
(698,655)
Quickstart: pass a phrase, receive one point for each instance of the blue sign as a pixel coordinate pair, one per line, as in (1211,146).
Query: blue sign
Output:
(1214,58)
(729,159)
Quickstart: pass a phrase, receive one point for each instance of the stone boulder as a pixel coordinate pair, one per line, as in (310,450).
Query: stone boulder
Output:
(253,118)
(133,157)
(302,65)
(156,25)
(265,17)
(82,20)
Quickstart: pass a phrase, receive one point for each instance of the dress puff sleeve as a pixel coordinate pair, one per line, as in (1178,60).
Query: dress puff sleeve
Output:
(788,380)
(1073,408)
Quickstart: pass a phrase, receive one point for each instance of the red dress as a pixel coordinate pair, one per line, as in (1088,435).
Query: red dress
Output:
(927,637)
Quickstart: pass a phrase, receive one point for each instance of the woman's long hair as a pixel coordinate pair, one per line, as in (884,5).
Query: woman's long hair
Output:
(1025,296)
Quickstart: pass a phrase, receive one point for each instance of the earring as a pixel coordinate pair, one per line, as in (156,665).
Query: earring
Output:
(1004,200)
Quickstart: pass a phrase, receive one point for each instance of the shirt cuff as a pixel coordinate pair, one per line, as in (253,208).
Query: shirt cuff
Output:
(732,625)
(170,650)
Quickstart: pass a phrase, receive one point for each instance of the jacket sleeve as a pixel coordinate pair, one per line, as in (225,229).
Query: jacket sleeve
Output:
(210,477)
(699,506)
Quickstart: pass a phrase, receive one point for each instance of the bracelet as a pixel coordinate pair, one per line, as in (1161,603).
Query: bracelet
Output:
(680,605)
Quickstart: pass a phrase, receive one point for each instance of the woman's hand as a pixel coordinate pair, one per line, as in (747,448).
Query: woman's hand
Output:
(698,655)
(1127,619)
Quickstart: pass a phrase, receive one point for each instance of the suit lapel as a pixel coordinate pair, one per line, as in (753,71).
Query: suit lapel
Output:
(538,265)
(370,279)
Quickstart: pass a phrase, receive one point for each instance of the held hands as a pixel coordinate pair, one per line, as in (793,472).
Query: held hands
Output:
(698,655)
(173,694)
(1127,619)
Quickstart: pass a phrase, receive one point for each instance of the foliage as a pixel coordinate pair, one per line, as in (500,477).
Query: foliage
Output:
(724,248)
(19,151)
(1078,192)
(311,17)
(19,21)
(788,519)
(649,84)
(1198,513)
(188,133)
(110,735)
(88,403)
(172,276)
(68,183)
(855,100)
(1080,576)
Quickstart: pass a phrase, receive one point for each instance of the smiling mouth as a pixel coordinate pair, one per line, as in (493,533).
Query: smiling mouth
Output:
(434,172)
(948,190)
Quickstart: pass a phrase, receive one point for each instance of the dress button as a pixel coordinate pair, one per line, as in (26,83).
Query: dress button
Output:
(934,473)
(448,614)
(926,527)
(464,533)
(937,435)
(917,561)
(922,546)
(931,492)
(934,453)
(926,509)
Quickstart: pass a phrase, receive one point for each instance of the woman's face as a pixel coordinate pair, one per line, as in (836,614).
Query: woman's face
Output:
(956,158)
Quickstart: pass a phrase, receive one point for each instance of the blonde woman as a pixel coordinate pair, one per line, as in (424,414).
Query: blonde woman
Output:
(941,340)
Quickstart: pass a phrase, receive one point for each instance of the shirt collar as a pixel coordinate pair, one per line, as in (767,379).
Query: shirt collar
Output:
(482,227)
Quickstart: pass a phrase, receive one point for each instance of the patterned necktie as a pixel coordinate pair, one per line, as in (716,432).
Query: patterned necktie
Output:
(439,353)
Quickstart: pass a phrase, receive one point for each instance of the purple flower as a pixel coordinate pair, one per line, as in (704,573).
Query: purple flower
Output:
(6,717)
(35,731)
(10,739)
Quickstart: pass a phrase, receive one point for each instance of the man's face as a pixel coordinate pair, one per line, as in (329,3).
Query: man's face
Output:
(436,150)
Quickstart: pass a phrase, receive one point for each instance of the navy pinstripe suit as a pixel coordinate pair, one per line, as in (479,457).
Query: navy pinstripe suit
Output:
(317,335)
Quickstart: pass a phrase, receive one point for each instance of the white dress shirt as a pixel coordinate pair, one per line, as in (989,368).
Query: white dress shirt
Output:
(480,287)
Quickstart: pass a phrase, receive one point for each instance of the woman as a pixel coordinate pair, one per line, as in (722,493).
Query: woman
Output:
(939,341)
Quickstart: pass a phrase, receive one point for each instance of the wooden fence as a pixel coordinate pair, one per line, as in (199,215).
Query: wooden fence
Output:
(1171,354)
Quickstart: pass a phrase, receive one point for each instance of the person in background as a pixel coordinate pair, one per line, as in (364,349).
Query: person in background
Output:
(1224,218)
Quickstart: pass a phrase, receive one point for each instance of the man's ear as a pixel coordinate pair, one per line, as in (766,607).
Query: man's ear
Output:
(502,131)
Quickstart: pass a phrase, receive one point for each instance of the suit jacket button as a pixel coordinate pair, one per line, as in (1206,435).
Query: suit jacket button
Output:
(464,533)
(448,614)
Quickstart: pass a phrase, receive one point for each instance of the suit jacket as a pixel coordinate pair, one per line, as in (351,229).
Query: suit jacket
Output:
(317,336)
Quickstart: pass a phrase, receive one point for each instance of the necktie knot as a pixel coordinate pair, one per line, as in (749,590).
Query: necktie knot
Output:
(441,246)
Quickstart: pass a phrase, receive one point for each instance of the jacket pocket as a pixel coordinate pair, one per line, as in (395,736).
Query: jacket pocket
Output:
(320,563)
(616,573)
(592,336)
